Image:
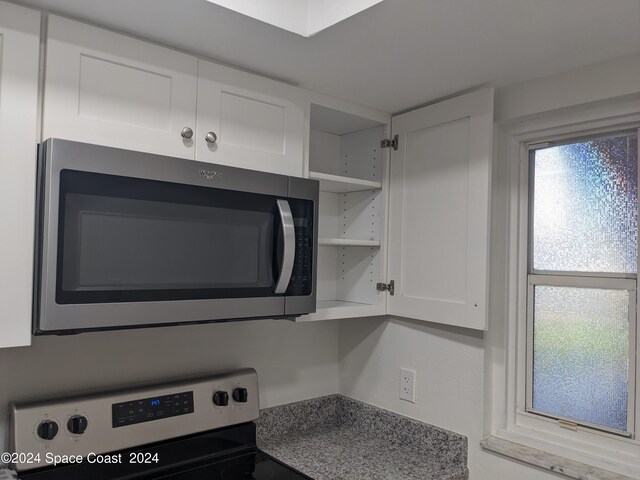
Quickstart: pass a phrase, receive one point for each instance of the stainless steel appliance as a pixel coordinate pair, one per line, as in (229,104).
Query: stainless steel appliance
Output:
(188,430)
(129,239)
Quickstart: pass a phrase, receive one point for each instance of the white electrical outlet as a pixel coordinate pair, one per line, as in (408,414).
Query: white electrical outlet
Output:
(408,385)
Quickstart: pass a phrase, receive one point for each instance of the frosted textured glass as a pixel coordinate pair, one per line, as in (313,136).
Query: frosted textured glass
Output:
(585,206)
(580,354)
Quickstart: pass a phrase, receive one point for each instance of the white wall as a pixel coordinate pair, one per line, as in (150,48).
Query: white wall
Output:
(601,81)
(451,363)
(295,361)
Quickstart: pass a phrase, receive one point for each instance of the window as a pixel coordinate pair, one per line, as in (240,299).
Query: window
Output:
(581,283)
(582,278)
(562,359)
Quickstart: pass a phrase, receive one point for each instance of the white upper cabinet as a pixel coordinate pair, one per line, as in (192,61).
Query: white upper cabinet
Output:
(248,121)
(439,211)
(110,89)
(404,234)
(19,54)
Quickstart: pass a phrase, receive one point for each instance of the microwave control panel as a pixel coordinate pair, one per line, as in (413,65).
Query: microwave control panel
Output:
(301,276)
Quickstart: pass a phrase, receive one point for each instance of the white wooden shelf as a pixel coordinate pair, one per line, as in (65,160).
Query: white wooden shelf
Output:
(338,184)
(335,309)
(348,242)
(352,214)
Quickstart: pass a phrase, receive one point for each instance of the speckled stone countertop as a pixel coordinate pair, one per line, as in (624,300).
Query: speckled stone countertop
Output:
(337,438)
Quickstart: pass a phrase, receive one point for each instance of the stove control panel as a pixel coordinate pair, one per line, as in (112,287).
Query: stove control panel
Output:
(153,408)
(116,420)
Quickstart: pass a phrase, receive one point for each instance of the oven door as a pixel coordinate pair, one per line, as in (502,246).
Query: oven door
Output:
(124,245)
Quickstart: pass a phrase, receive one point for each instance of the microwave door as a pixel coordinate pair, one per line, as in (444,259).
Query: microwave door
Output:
(131,252)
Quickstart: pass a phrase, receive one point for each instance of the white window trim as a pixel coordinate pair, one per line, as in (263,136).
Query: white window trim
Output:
(505,416)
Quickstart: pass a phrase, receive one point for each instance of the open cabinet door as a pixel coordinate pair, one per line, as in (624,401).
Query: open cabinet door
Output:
(439,211)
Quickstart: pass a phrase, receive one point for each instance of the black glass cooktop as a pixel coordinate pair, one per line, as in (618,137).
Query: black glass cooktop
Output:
(225,454)
(250,466)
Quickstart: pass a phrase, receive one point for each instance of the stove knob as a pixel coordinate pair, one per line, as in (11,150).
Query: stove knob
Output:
(240,395)
(47,430)
(221,398)
(77,424)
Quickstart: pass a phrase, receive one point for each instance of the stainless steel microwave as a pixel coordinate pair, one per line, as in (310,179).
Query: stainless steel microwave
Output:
(129,239)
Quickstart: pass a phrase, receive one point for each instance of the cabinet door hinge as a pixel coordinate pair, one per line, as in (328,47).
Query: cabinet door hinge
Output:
(393,143)
(386,287)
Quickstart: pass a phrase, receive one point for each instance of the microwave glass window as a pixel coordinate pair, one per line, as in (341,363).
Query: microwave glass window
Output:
(124,239)
(138,244)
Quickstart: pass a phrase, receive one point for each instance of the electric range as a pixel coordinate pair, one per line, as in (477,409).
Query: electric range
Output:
(186,430)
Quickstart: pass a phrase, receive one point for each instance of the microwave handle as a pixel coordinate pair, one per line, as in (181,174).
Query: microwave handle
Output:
(289,235)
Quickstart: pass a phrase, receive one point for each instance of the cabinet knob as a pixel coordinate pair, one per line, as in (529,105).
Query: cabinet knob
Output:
(211,138)
(187,132)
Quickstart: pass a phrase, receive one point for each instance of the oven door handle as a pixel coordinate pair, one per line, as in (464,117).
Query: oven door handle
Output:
(289,235)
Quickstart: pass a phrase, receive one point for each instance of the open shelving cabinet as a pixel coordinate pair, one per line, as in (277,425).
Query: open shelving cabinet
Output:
(416,226)
(346,157)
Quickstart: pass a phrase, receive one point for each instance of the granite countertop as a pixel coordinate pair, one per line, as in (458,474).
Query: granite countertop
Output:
(338,438)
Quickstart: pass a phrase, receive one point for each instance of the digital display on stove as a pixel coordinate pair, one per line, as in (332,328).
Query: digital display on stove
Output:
(149,409)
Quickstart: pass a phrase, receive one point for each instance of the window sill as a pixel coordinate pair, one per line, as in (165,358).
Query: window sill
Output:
(548,461)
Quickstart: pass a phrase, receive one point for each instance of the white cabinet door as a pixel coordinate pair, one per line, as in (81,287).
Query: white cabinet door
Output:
(19,57)
(259,123)
(110,89)
(439,211)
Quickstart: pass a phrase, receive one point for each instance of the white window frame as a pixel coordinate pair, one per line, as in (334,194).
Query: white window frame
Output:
(506,340)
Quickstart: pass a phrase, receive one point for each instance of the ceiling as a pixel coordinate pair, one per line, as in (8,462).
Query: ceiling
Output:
(398,53)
